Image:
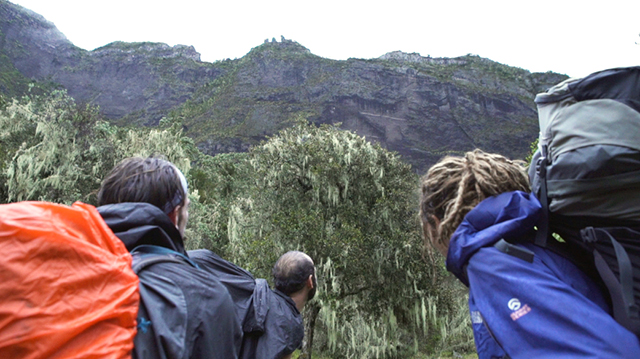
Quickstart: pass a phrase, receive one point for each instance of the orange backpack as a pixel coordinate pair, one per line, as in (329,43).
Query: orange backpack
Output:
(67,289)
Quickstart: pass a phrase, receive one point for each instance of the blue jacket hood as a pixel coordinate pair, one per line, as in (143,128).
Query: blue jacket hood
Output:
(510,215)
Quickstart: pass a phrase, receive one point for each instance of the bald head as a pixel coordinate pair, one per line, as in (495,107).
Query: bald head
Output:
(292,271)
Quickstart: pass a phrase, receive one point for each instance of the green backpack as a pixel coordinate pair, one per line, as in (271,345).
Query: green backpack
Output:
(586,174)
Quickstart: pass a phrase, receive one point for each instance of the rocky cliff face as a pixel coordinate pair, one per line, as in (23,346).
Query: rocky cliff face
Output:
(137,83)
(132,83)
(30,47)
(418,106)
(33,44)
(422,107)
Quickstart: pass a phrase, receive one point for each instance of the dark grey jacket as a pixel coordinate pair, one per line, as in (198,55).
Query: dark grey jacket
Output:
(272,324)
(184,312)
(283,332)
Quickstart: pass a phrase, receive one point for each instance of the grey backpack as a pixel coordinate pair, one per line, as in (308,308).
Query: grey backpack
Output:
(586,174)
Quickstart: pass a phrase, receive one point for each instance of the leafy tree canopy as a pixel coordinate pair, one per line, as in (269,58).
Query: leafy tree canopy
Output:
(352,206)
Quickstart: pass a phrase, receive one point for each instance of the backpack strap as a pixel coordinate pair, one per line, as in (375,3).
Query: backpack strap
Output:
(625,310)
(162,314)
(543,223)
(146,255)
(511,249)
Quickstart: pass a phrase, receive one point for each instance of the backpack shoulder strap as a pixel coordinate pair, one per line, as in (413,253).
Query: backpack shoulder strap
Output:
(543,224)
(162,316)
(146,255)
(625,309)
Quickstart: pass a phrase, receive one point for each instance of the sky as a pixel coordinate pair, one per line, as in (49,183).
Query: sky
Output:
(570,37)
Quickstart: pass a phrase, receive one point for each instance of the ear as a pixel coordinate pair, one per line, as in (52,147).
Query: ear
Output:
(310,281)
(173,215)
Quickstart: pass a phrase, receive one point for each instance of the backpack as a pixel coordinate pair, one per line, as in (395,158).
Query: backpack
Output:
(163,312)
(586,174)
(67,289)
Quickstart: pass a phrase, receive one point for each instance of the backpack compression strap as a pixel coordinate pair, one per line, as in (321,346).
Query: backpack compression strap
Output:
(625,310)
(543,223)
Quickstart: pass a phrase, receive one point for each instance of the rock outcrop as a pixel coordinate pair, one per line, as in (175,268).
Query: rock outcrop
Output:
(137,82)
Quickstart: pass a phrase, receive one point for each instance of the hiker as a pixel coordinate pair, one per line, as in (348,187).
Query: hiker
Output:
(294,275)
(272,324)
(183,312)
(525,301)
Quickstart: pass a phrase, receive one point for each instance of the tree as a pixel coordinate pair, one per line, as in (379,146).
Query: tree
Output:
(42,138)
(55,150)
(52,149)
(352,206)
(219,181)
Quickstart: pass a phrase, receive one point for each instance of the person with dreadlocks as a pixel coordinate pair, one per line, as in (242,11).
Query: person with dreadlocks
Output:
(525,301)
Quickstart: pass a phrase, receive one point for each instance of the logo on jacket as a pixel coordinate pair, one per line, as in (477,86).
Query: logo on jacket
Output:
(476,317)
(514,304)
(518,309)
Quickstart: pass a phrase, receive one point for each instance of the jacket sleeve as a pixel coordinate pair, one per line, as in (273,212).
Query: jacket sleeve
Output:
(545,309)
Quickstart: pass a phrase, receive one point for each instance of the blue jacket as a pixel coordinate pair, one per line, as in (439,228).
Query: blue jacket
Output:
(545,309)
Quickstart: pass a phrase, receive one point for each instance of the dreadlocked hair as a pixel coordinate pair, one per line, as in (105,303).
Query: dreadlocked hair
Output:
(455,185)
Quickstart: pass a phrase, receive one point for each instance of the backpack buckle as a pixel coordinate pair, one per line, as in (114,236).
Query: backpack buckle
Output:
(589,235)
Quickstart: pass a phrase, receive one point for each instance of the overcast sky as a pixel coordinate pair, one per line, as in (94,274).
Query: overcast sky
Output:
(569,37)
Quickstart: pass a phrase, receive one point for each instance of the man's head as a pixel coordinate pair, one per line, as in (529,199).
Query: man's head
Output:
(455,185)
(295,274)
(151,180)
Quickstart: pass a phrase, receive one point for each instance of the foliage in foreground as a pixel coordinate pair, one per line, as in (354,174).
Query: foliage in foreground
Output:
(348,203)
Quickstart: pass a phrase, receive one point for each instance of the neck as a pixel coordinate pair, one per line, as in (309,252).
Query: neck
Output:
(300,298)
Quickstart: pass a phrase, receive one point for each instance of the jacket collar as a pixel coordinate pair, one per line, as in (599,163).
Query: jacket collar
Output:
(510,215)
(142,223)
(288,300)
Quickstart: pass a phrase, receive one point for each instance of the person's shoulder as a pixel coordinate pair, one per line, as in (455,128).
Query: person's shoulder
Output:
(200,288)
(287,305)
(284,322)
(188,276)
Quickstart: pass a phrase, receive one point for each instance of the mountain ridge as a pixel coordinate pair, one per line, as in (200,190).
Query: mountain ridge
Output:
(421,107)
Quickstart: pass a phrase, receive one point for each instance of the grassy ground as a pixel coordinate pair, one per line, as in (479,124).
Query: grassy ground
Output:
(459,356)
(456,356)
